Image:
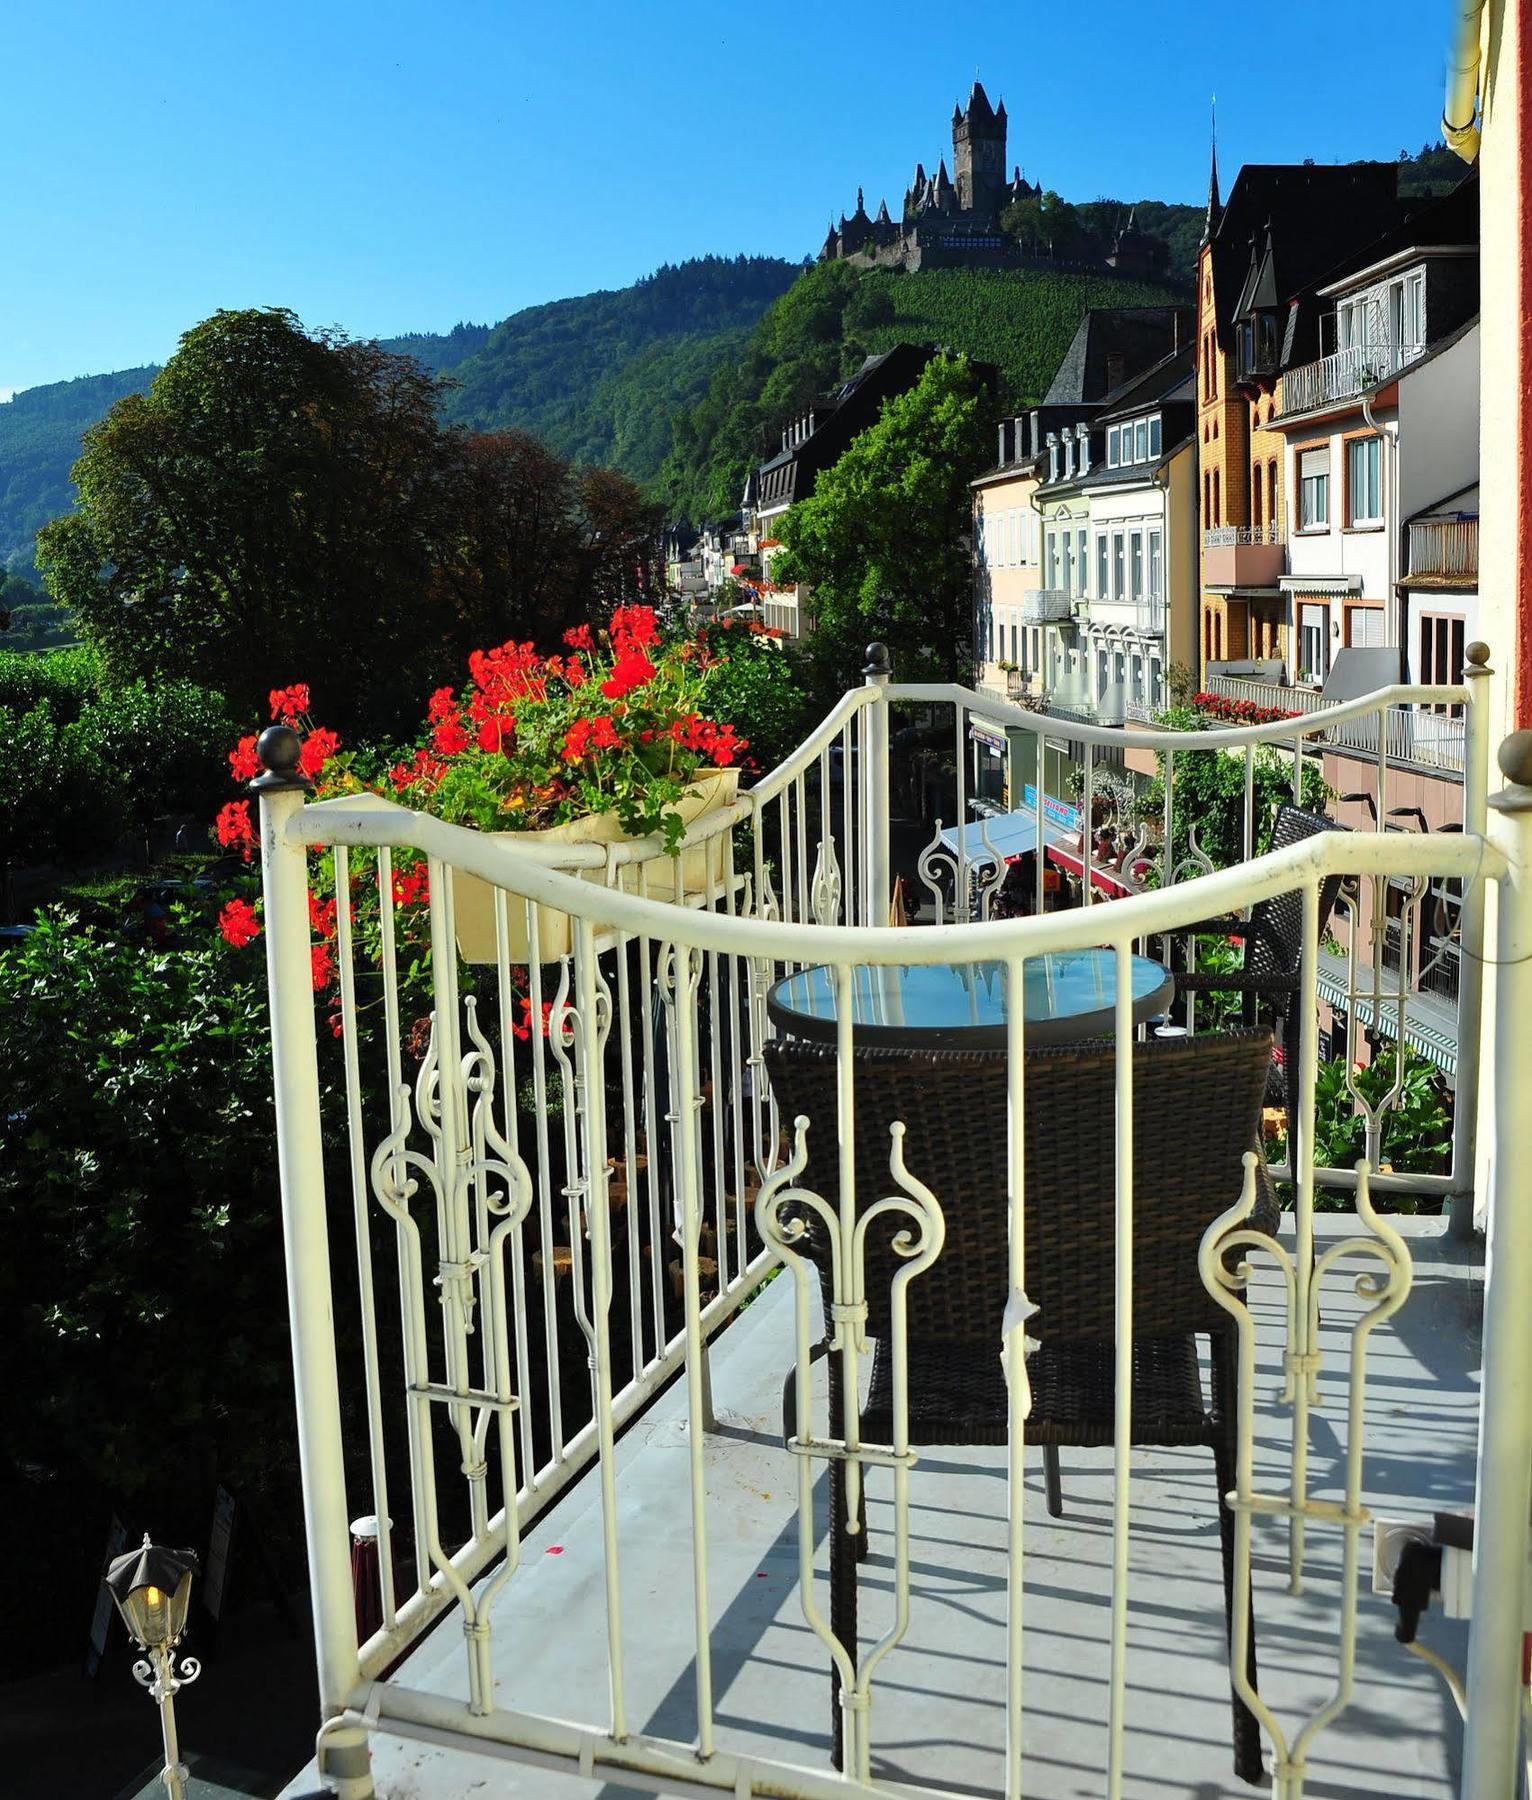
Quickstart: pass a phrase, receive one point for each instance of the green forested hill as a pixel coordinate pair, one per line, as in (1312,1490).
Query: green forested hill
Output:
(40,434)
(598,377)
(833,316)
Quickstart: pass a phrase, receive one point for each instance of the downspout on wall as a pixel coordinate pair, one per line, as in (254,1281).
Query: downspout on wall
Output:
(1460,114)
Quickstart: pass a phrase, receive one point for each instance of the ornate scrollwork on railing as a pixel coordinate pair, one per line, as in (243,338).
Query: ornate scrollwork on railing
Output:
(1195,862)
(925,865)
(482,1191)
(785,1214)
(1224,1261)
(825,889)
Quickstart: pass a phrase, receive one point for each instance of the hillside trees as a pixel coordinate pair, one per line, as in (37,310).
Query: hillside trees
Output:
(883,539)
(283,501)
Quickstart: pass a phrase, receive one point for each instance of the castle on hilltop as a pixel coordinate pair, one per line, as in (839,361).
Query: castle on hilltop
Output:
(953,221)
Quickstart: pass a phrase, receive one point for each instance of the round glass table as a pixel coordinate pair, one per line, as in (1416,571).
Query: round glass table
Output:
(1068,995)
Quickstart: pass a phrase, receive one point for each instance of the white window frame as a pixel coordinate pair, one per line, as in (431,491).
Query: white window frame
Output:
(1314,490)
(1370,490)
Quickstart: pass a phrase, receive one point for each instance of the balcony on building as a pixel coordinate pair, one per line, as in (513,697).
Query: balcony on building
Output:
(649,1611)
(1243,556)
(1149,614)
(1444,551)
(1049,606)
(1343,376)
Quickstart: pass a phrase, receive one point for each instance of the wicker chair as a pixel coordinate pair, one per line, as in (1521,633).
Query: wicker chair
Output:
(1196,1111)
(1273,953)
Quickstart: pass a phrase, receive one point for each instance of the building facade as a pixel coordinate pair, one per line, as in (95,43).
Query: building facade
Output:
(1281,231)
(1007,540)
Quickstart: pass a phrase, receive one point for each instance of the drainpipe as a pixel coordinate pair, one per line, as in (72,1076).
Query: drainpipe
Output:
(1460,114)
(1390,435)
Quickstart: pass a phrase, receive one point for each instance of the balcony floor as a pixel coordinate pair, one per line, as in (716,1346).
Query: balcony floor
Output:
(938,1709)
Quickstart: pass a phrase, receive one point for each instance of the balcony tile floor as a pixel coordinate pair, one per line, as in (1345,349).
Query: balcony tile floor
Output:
(938,1714)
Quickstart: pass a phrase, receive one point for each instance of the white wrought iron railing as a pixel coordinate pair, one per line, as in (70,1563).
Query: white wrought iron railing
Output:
(1342,375)
(1444,548)
(1047,606)
(1418,735)
(632,1206)
(1225,537)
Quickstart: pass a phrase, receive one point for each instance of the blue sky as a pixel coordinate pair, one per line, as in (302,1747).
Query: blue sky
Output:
(398,165)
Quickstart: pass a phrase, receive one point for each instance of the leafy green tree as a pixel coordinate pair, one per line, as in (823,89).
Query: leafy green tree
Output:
(883,539)
(166,744)
(272,507)
(758,688)
(59,802)
(1208,794)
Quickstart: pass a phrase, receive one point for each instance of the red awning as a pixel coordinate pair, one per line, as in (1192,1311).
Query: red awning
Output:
(1108,883)
(738,569)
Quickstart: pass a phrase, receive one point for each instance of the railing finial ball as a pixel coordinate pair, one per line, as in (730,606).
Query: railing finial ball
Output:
(1516,758)
(878,662)
(1477,653)
(279,748)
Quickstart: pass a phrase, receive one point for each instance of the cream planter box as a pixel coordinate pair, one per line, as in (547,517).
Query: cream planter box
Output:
(661,878)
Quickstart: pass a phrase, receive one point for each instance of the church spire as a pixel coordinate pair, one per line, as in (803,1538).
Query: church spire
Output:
(1215,205)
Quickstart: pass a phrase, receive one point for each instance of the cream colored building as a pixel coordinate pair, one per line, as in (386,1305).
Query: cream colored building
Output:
(1007,540)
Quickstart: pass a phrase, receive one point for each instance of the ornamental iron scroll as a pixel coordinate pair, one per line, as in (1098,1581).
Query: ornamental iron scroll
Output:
(1225,1268)
(482,1191)
(783,1210)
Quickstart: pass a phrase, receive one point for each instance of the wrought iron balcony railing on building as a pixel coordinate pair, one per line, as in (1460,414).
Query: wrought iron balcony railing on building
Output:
(1444,550)
(1343,375)
(653,1185)
(1048,606)
(1225,537)
(1413,736)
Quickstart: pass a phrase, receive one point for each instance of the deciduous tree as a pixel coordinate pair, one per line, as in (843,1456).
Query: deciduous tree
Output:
(883,539)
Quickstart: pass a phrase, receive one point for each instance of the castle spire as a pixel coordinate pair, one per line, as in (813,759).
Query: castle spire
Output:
(1215,205)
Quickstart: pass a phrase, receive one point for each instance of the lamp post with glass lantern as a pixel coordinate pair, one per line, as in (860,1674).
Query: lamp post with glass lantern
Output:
(152,1589)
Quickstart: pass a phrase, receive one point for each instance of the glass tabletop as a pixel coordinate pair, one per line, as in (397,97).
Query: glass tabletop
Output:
(1066,995)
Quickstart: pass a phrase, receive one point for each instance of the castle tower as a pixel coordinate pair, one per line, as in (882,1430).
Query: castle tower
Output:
(978,153)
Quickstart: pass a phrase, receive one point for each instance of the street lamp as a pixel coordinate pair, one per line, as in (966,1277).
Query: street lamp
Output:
(152,1589)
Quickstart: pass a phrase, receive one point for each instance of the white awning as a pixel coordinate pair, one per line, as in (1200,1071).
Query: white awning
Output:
(1011,834)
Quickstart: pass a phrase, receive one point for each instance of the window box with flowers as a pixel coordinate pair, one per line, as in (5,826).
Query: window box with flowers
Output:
(607,743)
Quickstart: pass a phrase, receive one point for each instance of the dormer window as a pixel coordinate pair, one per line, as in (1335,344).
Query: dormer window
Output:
(1083,438)
(1069,453)
(1053,457)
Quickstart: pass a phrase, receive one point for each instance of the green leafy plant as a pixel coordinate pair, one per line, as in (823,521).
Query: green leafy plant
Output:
(1417,1129)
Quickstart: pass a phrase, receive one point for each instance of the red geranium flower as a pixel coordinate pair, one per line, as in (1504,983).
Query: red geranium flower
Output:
(633,627)
(318,747)
(243,761)
(443,706)
(498,733)
(321,966)
(290,703)
(578,637)
(524,1029)
(449,738)
(239,924)
(411,887)
(233,827)
(322,915)
(576,739)
(631,670)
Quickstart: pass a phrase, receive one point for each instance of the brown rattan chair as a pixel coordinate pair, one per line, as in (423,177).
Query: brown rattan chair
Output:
(1273,954)
(1196,1111)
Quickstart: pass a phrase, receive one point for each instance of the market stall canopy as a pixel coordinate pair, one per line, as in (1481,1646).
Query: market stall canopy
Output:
(1011,834)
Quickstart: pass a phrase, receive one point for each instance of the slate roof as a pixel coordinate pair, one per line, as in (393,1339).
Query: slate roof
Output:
(1141,335)
(1317,214)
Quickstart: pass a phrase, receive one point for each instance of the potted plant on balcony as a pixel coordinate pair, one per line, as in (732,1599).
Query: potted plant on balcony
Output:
(605,743)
